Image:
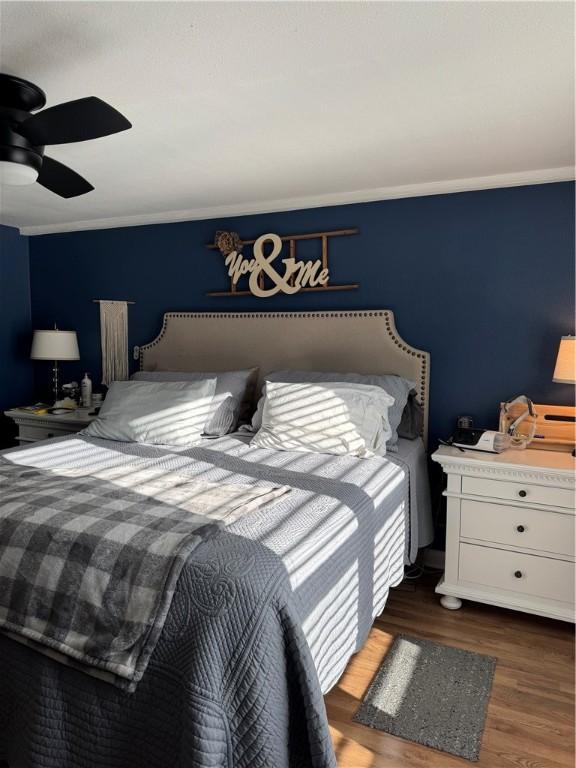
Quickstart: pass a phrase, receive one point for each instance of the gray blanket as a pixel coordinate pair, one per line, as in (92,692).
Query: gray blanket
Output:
(264,617)
(89,563)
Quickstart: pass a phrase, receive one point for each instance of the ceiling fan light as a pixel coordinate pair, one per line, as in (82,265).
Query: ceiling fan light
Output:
(17,174)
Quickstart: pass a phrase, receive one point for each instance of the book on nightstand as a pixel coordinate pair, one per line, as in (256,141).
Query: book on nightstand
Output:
(39,409)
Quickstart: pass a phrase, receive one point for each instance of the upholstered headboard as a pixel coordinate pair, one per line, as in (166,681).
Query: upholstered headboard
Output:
(360,342)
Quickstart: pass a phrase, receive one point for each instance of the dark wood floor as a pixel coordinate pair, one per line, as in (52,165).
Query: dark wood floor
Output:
(530,720)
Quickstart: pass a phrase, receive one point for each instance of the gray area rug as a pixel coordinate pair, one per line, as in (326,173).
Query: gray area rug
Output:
(432,694)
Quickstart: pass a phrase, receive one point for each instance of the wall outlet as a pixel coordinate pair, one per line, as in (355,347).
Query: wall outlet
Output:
(136,353)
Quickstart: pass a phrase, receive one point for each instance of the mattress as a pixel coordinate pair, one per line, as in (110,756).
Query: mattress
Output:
(412,454)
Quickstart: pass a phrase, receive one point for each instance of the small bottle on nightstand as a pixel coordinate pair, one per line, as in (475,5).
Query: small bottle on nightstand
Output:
(86,391)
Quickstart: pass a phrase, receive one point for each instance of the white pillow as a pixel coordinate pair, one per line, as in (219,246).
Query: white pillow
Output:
(167,413)
(232,397)
(327,417)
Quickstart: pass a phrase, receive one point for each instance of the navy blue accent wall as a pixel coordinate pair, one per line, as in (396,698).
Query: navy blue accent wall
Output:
(483,280)
(16,384)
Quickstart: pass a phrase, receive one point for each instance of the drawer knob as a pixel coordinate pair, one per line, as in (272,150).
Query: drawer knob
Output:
(518,574)
(522,494)
(520,528)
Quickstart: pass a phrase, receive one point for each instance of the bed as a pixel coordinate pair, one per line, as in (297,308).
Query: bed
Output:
(267,611)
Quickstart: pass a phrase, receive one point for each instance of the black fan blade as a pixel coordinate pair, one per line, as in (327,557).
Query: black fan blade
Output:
(62,180)
(73,121)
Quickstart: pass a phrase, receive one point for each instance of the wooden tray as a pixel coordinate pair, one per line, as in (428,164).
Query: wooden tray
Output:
(555,426)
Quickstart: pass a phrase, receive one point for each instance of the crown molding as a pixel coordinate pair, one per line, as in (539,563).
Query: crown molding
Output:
(522,178)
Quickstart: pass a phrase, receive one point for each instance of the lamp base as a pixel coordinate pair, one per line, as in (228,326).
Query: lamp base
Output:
(55,383)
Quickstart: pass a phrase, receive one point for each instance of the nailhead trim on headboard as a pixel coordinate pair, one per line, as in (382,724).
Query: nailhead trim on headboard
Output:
(385,313)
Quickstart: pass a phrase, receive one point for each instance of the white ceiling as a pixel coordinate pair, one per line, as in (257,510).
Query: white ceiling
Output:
(245,107)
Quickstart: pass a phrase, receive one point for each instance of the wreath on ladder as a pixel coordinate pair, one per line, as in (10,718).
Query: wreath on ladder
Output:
(226,242)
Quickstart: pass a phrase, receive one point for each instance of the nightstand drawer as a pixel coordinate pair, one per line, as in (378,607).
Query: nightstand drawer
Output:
(524,492)
(31,434)
(526,574)
(520,527)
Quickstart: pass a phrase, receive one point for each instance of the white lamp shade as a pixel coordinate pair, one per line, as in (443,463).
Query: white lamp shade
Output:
(565,370)
(55,345)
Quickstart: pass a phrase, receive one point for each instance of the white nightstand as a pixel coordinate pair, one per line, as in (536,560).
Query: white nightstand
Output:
(510,530)
(32,428)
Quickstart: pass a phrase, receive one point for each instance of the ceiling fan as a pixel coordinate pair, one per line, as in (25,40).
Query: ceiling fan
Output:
(23,135)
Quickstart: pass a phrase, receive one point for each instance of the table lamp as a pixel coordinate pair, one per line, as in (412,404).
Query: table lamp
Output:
(565,370)
(56,346)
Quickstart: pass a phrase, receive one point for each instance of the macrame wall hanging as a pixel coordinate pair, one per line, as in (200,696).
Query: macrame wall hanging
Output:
(114,340)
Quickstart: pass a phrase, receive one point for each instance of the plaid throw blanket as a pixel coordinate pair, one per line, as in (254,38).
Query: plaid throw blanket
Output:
(88,566)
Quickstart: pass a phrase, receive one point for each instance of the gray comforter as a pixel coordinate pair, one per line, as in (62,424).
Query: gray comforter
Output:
(264,618)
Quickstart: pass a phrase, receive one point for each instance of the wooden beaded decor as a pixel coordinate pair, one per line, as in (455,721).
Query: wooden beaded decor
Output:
(365,342)
(555,426)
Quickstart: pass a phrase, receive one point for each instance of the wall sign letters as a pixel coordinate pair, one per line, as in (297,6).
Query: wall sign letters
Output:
(269,271)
